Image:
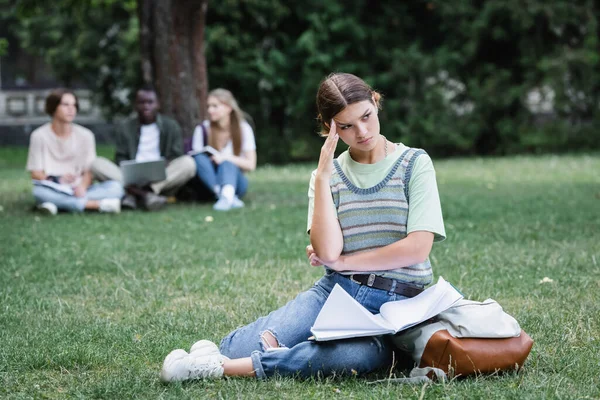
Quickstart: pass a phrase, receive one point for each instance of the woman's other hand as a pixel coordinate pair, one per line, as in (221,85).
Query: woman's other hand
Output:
(312,256)
(67,179)
(315,261)
(79,191)
(218,158)
(325,167)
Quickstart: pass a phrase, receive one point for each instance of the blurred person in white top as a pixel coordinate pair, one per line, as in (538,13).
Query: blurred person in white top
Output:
(229,133)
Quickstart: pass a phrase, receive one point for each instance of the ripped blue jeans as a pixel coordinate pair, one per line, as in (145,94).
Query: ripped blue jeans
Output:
(290,325)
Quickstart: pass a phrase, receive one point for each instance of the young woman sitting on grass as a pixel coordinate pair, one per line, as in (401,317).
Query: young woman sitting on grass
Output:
(59,160)
(228,132)
(360,230)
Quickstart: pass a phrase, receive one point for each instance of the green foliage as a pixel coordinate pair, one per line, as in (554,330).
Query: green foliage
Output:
(92,43)
(456,76)
(6,18)
(91,304)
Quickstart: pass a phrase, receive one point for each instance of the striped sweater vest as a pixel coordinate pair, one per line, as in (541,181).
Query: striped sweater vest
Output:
(377,216)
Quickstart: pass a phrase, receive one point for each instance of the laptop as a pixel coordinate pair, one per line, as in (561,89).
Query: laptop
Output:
(143,172)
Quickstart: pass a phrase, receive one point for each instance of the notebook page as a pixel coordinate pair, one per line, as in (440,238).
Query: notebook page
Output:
(402,314)
(342,313)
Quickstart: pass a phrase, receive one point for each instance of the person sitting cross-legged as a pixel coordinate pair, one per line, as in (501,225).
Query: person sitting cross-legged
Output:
(59,160)
(227,131)
(148,136)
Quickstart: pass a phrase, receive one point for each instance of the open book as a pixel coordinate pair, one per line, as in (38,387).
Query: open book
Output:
(206,149)
(55,186)
(343,317)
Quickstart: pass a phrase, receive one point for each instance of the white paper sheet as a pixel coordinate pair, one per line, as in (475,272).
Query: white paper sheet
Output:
(343,317)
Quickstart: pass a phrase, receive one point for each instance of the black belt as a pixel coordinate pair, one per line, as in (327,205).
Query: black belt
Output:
(387,284)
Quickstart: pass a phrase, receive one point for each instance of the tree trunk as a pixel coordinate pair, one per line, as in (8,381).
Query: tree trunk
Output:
(172,53)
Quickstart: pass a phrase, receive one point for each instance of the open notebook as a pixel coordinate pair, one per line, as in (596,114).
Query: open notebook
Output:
(66,189)
(343,317)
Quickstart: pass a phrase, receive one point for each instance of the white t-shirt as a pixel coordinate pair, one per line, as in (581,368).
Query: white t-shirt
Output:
(57,156)
(248,141)
(148,148)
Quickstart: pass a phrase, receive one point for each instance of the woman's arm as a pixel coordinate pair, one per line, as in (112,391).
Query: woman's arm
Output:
(411,250)
(246,161)
(35,156)
(325,232)
(38,175)
(86,180)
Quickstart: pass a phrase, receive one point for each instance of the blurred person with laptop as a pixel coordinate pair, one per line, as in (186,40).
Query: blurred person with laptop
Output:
(149,151)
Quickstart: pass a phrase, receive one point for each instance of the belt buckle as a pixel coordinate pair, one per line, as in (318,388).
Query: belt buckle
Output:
(371,280)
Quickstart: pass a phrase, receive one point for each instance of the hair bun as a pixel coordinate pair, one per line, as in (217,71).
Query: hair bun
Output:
(376,98)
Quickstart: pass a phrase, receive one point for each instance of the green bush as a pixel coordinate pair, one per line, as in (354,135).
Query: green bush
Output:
(456,76)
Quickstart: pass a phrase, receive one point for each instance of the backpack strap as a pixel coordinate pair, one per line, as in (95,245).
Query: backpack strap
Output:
(204,134)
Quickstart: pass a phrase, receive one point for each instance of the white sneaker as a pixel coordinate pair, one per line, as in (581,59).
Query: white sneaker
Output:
(181,366)
(110,206)
(173,361)
(222,204)
(204,348)
(48,208)
(237,203)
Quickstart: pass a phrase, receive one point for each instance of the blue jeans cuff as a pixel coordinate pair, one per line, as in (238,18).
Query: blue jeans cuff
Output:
(257,364)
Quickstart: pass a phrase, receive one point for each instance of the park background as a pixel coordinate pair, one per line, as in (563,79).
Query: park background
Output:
(502,94)
(458,77)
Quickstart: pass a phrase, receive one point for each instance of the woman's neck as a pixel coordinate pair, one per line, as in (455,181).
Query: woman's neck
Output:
(61,129)
(224,124)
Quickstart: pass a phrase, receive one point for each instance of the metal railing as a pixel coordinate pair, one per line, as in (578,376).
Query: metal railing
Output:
(26,107)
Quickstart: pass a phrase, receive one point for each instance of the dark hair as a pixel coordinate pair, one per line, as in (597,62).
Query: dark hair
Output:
(339,90)
(54,98)
(146,87)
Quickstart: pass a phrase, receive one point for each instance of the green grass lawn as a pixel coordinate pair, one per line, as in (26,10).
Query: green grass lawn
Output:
(91,304)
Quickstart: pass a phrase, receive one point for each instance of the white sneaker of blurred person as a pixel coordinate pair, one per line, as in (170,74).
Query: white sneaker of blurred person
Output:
(110,206)
(48,208)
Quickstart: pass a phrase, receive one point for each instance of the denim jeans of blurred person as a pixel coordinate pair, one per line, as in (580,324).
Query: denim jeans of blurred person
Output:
(290,325)
(226,173)
(66,202)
